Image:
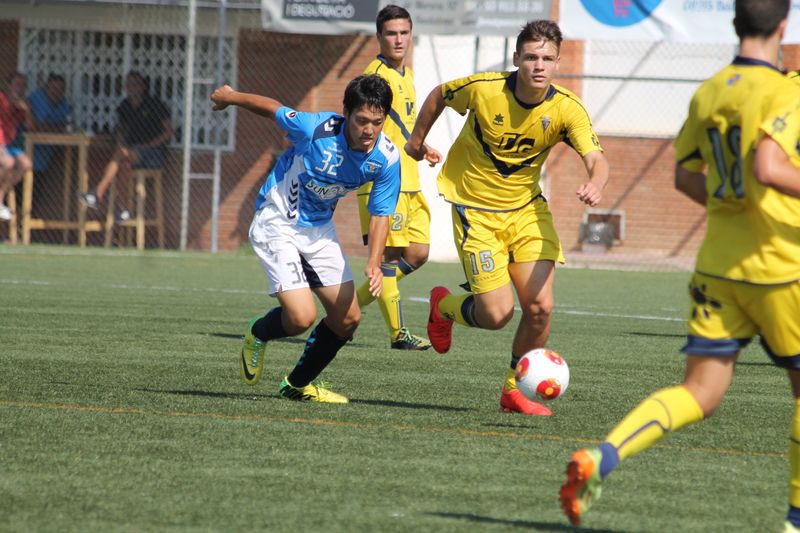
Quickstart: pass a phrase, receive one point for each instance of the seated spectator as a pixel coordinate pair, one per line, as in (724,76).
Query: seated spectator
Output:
(143,131)
(51,113)
(14,110)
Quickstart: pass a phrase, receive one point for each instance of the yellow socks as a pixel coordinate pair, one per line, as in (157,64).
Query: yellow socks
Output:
(388,301)
(459,308)
(794,457)
(510,383)
(364,296)
(402,270)
(663,411)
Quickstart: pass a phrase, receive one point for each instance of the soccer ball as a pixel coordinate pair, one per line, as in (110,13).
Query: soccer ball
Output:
(542,374)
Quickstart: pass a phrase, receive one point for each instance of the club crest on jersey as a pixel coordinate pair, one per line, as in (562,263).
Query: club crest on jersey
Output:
(372,167)
(779,124)
(498,120)
(327,192)
(545,123)
(291,114)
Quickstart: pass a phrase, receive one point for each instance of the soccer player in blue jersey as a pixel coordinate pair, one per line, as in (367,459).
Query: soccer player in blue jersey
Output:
(502,225)
(293,233)
(747,276)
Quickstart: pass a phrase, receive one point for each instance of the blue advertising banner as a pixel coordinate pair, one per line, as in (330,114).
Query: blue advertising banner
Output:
(658,20)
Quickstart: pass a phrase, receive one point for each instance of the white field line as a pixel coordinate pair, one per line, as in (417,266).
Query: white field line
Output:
(417,299)
(562,311)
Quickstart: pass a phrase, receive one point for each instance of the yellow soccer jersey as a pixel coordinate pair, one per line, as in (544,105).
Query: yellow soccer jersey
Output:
(784,128)
(496,161)
(400,122)
(795,76)
(752,231)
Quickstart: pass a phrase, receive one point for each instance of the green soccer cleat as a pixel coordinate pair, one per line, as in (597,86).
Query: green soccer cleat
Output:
(313,392)
(583,484)
(405,340)
(251,362)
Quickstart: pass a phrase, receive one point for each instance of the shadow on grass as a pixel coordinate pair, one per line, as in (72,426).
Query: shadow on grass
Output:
(255,396)
(408,405)
(287,340)
(211,394)
(651,334)
(239,337)
(522,524)
(516,426)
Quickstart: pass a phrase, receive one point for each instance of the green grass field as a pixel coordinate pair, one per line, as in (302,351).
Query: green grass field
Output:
(121,408)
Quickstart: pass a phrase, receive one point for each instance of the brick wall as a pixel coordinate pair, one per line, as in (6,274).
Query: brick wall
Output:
(9,37)
(658,219)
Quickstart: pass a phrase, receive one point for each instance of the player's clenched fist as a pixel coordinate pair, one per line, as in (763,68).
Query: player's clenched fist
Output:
(220,97)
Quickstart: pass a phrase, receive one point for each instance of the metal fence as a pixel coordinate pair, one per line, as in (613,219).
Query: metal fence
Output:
(637,93)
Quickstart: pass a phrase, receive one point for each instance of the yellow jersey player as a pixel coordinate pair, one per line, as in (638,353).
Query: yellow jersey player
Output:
(746,277)
(502,226)
(409,231)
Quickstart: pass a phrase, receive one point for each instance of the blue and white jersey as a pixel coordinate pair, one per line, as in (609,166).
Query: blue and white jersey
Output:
(319,168)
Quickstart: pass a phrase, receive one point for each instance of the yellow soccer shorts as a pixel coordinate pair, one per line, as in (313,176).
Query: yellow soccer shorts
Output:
(410,222)
(725,315)
(488,241)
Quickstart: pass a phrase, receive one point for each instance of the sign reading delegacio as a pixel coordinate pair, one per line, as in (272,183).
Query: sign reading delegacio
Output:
(329,10)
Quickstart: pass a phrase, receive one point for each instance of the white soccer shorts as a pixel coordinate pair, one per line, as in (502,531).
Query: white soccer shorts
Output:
(293,257)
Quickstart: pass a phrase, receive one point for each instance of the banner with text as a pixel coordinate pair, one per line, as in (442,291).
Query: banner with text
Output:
(443,17)
(658,20)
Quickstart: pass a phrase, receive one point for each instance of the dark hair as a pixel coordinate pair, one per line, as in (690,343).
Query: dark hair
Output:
(539,30)
(391,12)
(368,90)
(138,75)
(14,74)
(759,18)
(55,77)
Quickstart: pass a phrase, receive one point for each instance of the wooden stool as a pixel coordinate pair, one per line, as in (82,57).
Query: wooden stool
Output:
(139,220)
(11,198)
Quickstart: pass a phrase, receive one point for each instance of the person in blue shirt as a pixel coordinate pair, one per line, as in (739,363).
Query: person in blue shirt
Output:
(293,233)
(51,112)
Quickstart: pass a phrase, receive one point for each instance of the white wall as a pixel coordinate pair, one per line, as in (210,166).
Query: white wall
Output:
(438,59)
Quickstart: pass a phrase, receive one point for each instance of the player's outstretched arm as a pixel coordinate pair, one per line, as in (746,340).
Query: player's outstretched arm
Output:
(692,184)
(596,165)
(376,238)
(430,111)
(774,169)
(261,105)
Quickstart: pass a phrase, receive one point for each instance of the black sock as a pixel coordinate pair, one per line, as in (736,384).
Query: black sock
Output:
(269,326)
(468,311)
(514,360)
(321,347)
